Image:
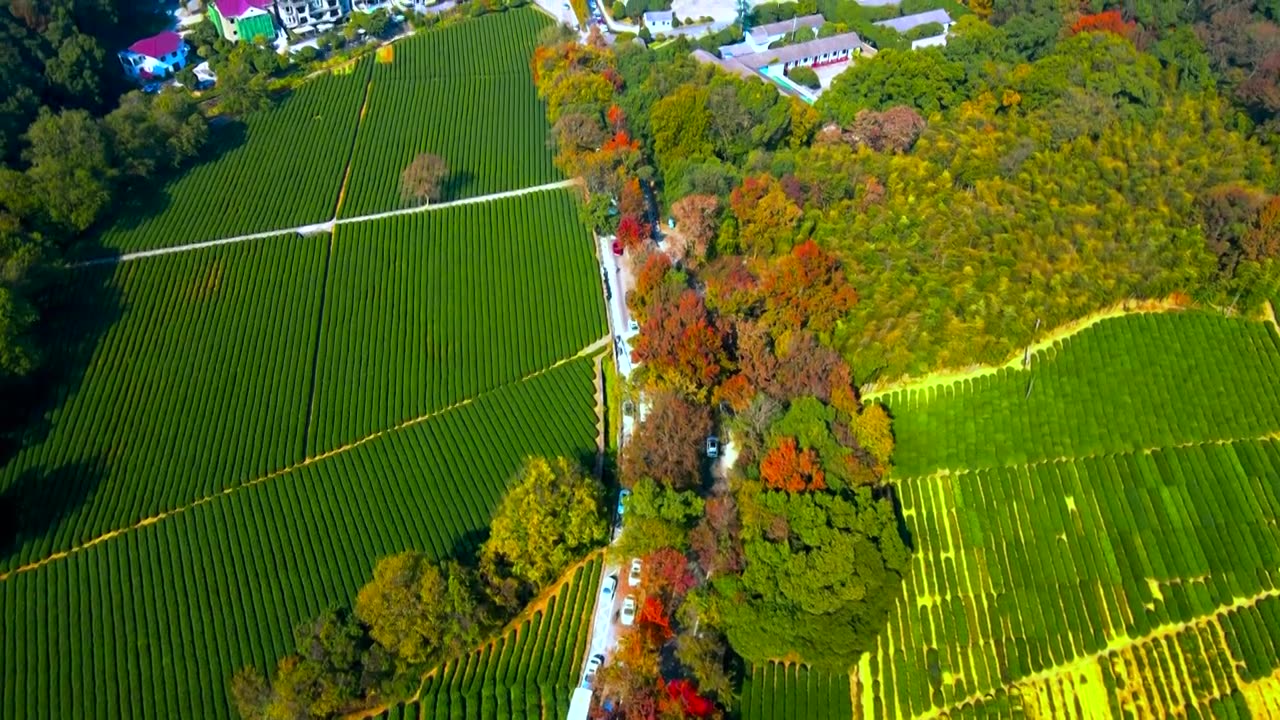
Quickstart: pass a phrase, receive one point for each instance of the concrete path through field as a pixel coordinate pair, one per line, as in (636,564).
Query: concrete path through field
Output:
(324,227)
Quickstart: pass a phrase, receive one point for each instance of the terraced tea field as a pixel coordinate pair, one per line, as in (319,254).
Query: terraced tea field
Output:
(189,523)
(425,310)
(151,623)
(794,692)
(277,168)
(463,92)
(168,406)
(502,145)
(1104,547)
(1138,381)
(528,672)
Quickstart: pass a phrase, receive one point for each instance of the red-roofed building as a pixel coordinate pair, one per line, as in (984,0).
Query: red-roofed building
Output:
(154,58)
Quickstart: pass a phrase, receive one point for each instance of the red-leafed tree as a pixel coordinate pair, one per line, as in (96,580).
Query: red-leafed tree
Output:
(632,232)
(667,575)
(1108,21)
(667,447)
(716,540)
(690,702)
(786,467)
(806,289)
(682,345)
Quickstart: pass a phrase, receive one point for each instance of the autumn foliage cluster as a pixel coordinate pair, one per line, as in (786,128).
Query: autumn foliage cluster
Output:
(1107,21)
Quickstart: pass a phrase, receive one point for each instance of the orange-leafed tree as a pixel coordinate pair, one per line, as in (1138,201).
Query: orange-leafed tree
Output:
(806,289)
(737,392)
(631,199)
(653,282)
(697,219)
(1108,21)
(684,346)
(653,620)
(766,216)
(617,118)
(787,467)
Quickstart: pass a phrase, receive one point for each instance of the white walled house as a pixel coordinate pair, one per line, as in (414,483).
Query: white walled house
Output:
(814,53)
(906,23)
(302,14)
(759,38)
(658,20)
(157,57)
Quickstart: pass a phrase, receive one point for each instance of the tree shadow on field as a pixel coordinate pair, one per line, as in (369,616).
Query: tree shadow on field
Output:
(137,206)
(466,549)
(455,185)
(79,308)
(40,498)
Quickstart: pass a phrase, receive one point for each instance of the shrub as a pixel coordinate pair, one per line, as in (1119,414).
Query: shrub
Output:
(804,76)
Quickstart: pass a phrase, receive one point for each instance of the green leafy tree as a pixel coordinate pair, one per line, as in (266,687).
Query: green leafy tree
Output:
(680,124)
(550,517)
(70,168)
(821,571)
(149,133)
(420,611)
(805,76)
(923,79)
(657,517)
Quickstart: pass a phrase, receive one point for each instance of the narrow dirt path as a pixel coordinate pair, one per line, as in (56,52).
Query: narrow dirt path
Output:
(323,227)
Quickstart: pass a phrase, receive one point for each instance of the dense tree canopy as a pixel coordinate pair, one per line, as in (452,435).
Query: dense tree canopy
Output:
(821,570)
(550,516)
(418,610)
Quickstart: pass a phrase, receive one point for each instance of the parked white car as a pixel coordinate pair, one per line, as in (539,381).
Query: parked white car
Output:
(629,611)
(713,447)
(608,587)
(593,665)
(633,578)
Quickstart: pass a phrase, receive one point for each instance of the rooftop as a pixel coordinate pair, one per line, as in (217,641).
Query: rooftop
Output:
(730,66)
(800,51)
(236,8)
(158,45)
(907,22)
(658,16)
(760,32)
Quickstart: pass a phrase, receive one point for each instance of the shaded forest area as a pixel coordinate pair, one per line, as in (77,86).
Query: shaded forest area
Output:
(73,138)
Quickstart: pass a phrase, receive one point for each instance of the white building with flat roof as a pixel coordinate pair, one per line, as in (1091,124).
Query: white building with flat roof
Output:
(658,20)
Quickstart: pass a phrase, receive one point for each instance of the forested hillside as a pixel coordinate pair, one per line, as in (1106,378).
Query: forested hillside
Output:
(974,192)
(936,208)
